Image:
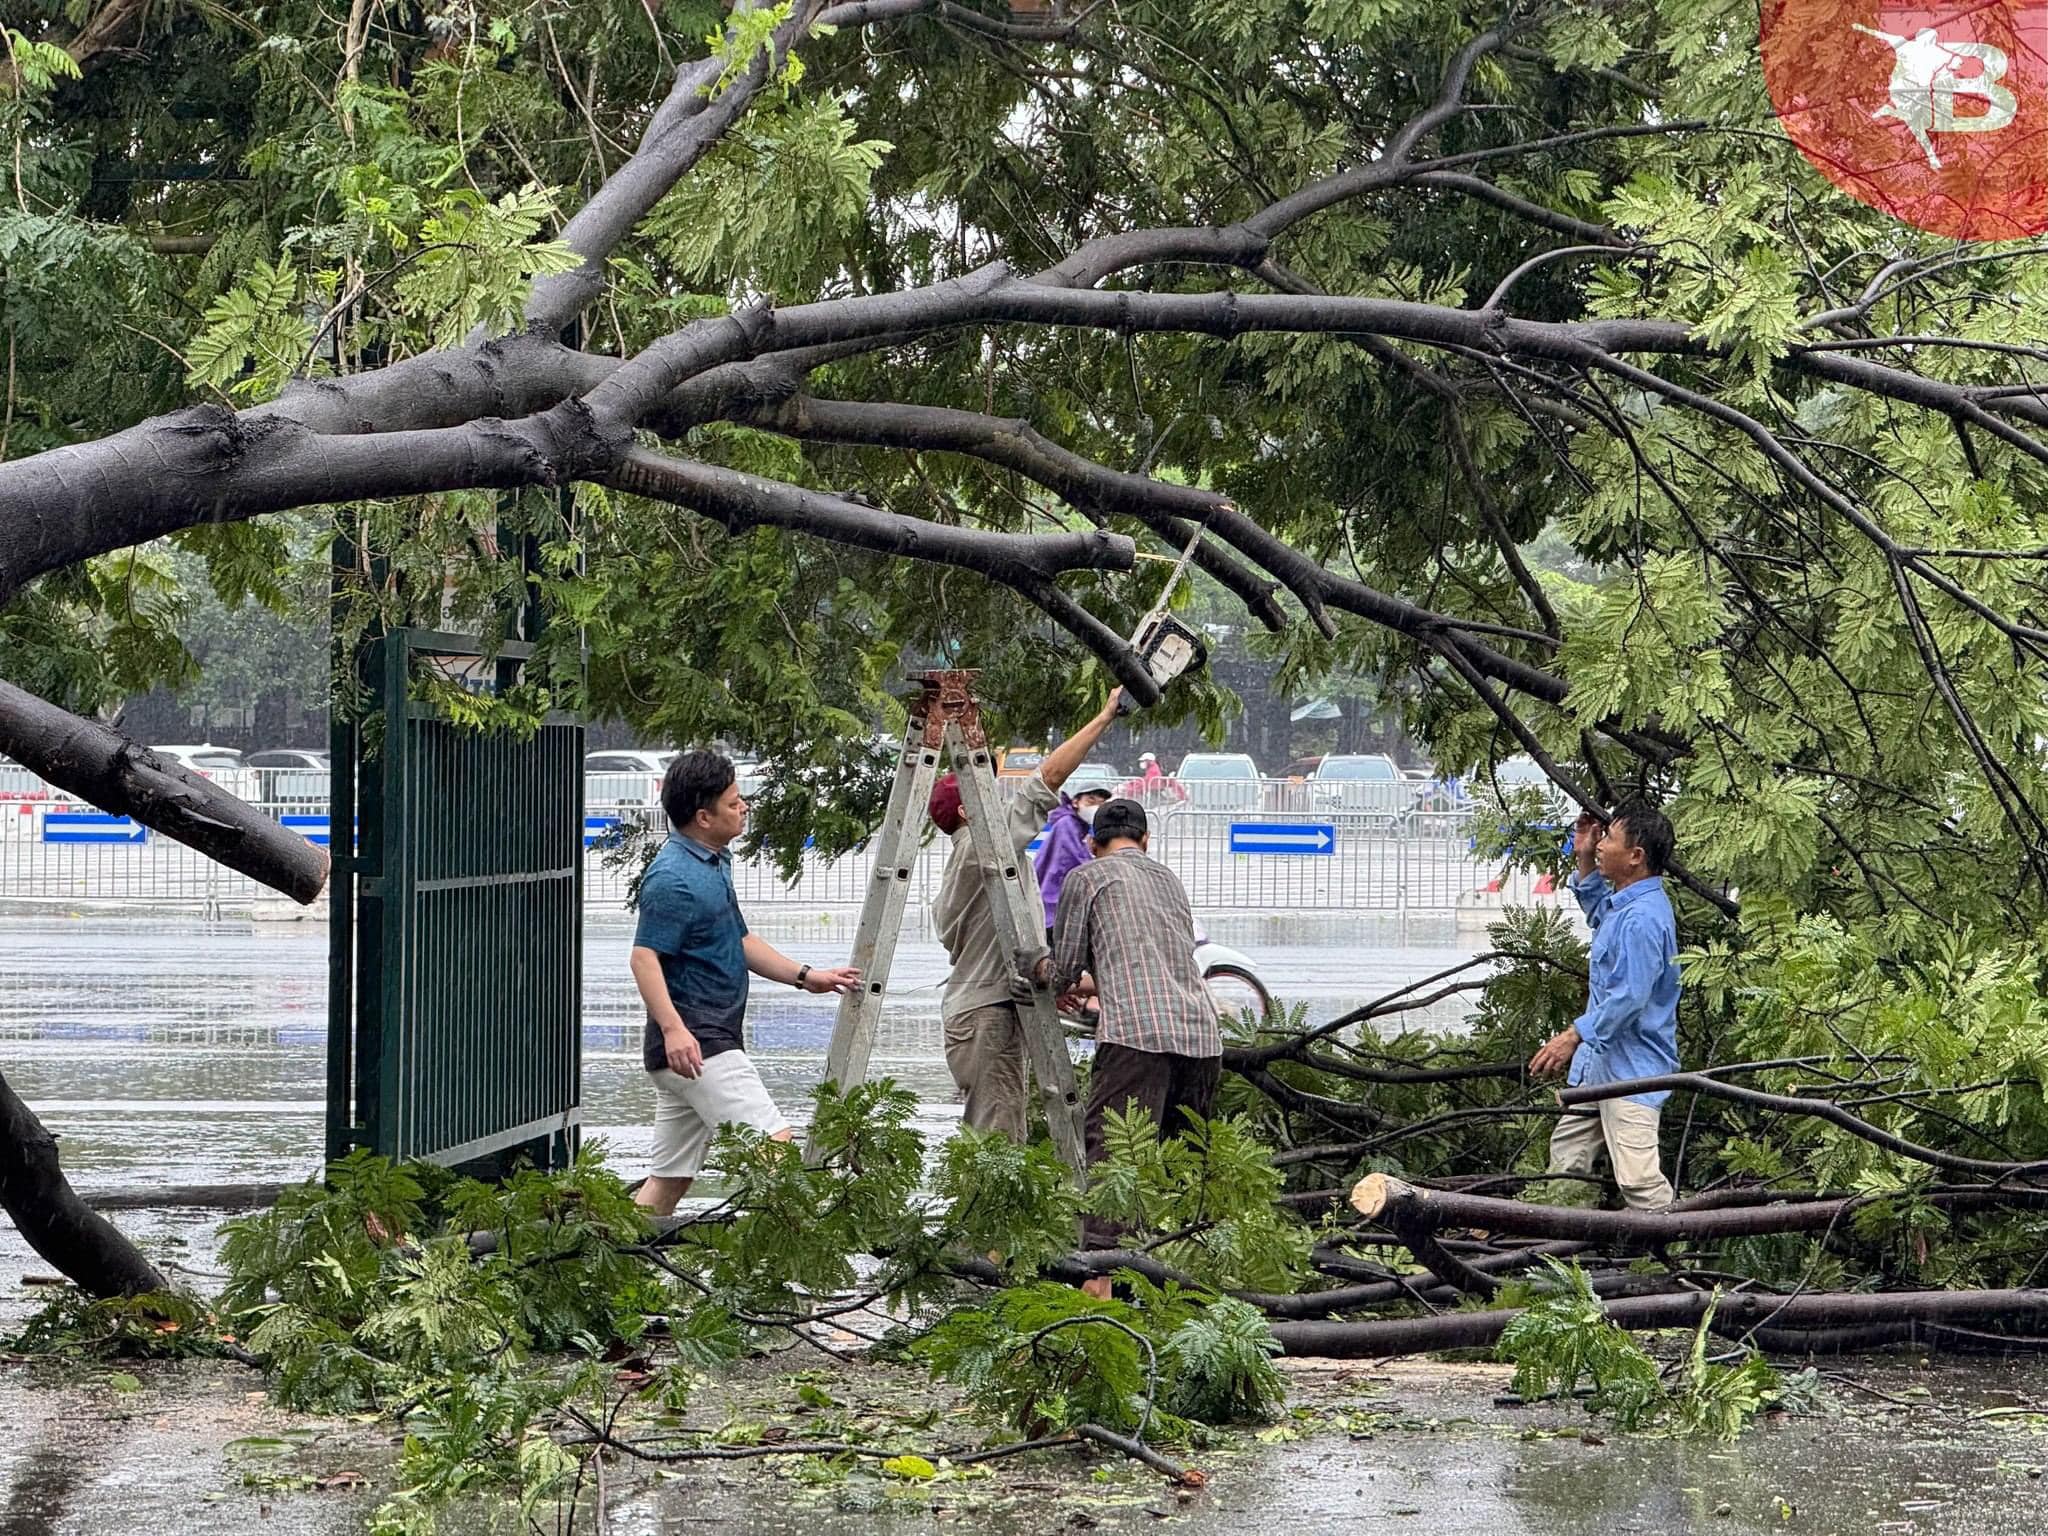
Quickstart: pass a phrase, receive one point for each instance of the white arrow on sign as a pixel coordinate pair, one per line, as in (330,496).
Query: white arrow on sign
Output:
(1320,838)
(95,827)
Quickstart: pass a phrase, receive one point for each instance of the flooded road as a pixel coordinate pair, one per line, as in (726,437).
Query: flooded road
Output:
(176,1051)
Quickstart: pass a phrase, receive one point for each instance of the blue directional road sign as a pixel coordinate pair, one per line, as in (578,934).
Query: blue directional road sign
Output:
(1290,837)
(599,829)
(93,827)
(314,829)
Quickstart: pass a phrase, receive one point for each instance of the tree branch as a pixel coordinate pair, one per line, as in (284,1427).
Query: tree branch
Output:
(1786,1104)
(1026,563)
(686,127)
(100,765)
(1015,444)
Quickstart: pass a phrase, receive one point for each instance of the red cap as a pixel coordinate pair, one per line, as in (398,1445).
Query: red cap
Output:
(945,804)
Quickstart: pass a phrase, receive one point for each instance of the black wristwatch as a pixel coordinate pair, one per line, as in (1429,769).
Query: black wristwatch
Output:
(801,972)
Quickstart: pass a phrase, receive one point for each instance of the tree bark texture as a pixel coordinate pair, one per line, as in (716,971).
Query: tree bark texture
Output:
(66,1232)
(104,767)
(1408,1211)
(1820,1324)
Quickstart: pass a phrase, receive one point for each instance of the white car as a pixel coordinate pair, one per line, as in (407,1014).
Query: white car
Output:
(1367,785)
(291,774)
(19,783)
(1520,774)
(222,765)
(1219,781)
(623,778)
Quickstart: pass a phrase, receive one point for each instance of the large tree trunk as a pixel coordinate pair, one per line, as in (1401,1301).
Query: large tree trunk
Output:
(80,1242)
(1414,1214)
(1791,1324)
(101,765)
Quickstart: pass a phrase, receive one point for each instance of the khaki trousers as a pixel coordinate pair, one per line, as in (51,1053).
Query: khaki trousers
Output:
(985,1054)
(1629,1133)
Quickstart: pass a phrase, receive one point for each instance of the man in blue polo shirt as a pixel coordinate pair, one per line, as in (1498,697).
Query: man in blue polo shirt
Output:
(1630,1026)
(691,957)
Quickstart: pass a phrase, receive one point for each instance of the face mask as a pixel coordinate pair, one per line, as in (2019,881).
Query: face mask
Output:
(1086,813)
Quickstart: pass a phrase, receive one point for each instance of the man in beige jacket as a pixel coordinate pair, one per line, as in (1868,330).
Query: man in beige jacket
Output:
(984,1030)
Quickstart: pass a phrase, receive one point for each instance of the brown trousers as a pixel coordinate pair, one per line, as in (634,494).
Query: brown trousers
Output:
(985,1054)
(1163,1083)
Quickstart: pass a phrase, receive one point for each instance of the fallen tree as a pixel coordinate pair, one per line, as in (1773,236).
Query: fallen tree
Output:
(1781,1324)
(47,1211)
(1422,1213)
(1660,475)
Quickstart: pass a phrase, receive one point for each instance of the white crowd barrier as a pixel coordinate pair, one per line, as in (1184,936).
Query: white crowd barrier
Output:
(1251,860)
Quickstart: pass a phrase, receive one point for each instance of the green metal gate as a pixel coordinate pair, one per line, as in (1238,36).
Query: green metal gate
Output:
(456,929)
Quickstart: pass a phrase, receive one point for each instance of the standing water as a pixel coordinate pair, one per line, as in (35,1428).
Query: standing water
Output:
(175,1051)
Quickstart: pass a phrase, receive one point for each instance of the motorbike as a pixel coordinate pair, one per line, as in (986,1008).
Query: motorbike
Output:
(1232,979)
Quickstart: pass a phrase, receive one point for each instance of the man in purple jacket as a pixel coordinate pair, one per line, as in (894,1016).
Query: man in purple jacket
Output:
(1066,842)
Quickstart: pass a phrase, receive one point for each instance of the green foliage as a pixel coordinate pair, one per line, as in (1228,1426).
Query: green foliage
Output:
(1215,1182)
(518,711)
(773,200)
(1720,1400)
(358,1289)
(1217,1361)
(1562,1338)
(1001,1196)
(477,259)
(256,336)
(322,1246)
(801,1223)
(564,1239)
(1045,1357)
(38,66)
(155,1325)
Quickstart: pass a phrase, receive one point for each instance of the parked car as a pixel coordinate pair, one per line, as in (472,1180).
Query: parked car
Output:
(1097,776)
(1219,781)
(1019,762)
(1511,780)
(291,774)
(19,783)
(222,765)
(1364,785)
(623,778)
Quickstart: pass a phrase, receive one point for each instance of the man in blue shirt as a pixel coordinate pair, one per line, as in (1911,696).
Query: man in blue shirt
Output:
(691,958)
(1630,1026)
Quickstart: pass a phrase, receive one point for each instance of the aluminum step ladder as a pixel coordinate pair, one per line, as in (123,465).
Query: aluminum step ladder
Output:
(946,724)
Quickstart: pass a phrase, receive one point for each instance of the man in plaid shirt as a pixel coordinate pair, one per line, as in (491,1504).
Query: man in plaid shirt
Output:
(1124,921)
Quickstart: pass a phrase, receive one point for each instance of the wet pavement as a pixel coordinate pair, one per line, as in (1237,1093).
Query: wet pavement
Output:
(1409,1448)
(172,1051)
(176,1051)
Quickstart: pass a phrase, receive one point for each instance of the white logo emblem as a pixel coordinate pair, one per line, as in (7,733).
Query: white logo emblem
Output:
(1925,85)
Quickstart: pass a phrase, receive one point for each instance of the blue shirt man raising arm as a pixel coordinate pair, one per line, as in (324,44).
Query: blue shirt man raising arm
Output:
(691,959)
(1630,1026)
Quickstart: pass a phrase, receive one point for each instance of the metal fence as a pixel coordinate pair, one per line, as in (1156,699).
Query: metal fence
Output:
(1230,861)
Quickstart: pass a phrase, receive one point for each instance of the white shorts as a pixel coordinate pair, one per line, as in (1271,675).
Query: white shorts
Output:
(688,1111)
